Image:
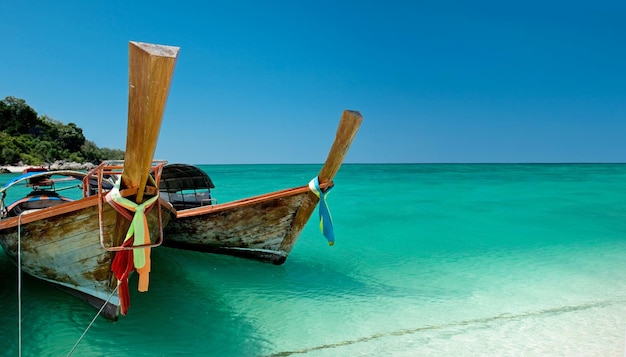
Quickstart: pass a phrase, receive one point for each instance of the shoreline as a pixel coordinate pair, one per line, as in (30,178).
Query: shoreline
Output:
(59,165)
(13,169)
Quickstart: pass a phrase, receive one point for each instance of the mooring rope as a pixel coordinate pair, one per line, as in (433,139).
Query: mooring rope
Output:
(19,284)
(92,321)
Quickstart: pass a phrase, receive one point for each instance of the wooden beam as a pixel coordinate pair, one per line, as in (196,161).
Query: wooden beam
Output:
(150,70)
(348,127)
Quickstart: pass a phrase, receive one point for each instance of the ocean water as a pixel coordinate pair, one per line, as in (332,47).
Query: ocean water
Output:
(430,260)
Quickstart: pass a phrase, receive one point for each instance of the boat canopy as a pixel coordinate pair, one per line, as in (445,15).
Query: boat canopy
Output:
(180,177)
(30,176)
(44,192)
(185,186)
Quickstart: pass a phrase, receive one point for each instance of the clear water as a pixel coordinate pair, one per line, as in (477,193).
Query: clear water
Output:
(430,260)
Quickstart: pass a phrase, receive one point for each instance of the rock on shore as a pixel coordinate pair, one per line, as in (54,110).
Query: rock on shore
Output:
(57,165)
(65,165)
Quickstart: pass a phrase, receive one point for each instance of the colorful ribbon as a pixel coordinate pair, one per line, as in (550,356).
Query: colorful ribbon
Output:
(326,220)
(138,234)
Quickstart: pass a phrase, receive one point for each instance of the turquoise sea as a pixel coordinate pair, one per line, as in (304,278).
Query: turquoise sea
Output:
(430,260)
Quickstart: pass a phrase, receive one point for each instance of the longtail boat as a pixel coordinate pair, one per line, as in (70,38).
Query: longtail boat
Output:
(263,227)
(88,246)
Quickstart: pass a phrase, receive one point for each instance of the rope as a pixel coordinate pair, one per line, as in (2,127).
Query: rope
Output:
(92,321)
(138,235)
(19,284)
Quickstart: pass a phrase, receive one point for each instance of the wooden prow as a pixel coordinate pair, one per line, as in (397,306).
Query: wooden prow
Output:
(150,70)
(150,73)
(348,127)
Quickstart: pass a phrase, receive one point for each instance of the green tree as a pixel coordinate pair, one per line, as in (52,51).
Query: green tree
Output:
(71,137)
(50,128)
(16,117)
(9,152)
(112,154)
(91,152)
(76,157)
(46,151)
(26,137)
(23,143)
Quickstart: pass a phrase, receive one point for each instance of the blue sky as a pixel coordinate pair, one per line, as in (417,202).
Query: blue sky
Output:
(266,82)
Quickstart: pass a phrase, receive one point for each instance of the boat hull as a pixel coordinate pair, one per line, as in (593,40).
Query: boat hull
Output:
(62,246)
(255,228)
(263,227)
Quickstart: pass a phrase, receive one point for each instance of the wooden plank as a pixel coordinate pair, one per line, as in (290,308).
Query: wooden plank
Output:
(50,212)
(238,226)
(203,210)
(254,230)
(65,248)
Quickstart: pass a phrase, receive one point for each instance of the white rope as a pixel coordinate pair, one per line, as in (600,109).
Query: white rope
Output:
(92,321)
(19,285)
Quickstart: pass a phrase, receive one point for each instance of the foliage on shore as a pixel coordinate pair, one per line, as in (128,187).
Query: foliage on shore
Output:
(32,139)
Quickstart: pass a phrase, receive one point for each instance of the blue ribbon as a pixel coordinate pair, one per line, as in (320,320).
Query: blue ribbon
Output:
(326,221)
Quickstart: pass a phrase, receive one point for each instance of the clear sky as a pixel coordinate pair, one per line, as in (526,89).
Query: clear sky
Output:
(266,81)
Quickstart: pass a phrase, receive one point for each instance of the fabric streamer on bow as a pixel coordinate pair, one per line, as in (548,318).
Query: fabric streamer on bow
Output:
(126,261)
(326,221)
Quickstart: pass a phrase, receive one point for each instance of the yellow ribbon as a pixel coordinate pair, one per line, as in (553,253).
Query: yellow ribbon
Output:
(138,228)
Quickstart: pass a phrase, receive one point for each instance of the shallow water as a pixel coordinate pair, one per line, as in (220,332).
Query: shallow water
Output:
(430,260)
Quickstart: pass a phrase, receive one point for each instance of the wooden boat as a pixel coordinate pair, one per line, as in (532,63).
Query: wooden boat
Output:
(264,227)
(88,246)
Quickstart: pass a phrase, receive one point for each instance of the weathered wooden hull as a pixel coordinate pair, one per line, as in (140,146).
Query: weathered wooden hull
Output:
(62,245)
(67,244)
(264,227)
(256,228)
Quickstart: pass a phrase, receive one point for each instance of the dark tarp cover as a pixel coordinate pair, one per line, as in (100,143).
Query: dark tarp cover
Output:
(179,177)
